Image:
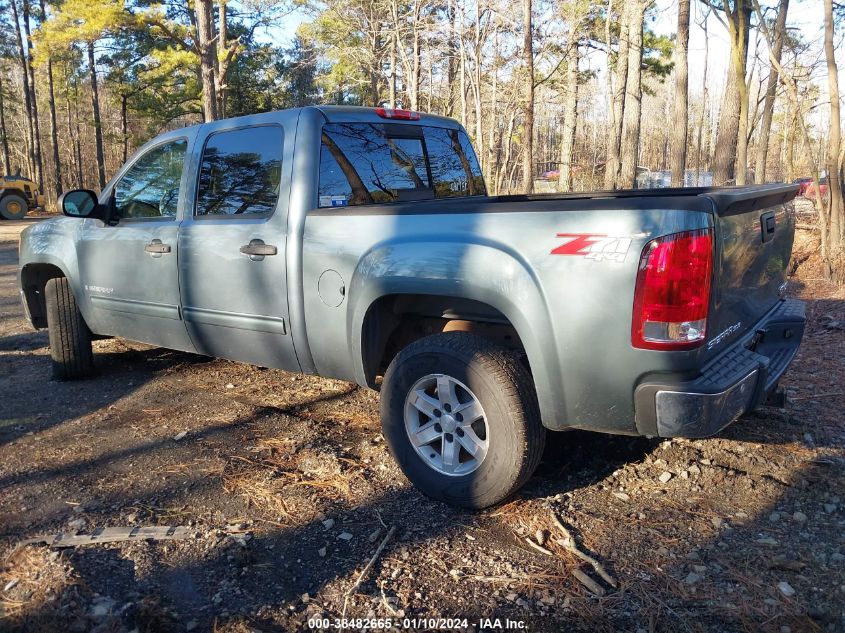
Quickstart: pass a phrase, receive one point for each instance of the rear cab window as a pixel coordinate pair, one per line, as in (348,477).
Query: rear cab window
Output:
(372,163)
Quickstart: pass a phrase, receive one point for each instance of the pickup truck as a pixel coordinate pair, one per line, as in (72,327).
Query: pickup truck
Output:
(360,244)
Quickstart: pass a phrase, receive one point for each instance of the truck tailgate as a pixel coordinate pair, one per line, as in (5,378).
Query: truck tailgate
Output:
(754,233)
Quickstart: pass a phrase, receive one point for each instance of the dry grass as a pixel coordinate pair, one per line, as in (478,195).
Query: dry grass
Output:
(292,484)
(35,577)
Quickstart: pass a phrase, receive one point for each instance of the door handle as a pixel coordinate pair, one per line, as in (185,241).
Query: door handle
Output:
(257,250)
(156,247)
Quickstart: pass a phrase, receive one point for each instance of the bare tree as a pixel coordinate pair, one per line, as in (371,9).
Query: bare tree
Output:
(629,148)
(54,128)
(3,135)
(836,206)
(98,122)
(528,108)
(762,155)
(616,94)
(680,112)
(30,134)
(207,45)
(30,82)
(730,158)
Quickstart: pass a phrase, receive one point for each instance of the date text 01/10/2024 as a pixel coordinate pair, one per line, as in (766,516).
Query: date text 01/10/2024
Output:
(416,624)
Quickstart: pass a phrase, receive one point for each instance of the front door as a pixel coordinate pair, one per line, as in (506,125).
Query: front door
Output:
(128,269)
(232,248)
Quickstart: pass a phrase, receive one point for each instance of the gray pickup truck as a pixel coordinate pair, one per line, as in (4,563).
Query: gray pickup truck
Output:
(360,244)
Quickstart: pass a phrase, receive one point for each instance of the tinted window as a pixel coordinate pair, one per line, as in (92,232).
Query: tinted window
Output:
(150,188)
(362,163)
(454,168)
(240,172)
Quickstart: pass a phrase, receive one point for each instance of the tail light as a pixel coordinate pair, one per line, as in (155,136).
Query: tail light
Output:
(673,292)
(403,115)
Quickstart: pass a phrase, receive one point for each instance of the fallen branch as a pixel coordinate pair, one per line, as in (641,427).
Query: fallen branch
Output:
(539,548)
(369,566)
(819,395)
(588,582)
(112,535)
(568,542)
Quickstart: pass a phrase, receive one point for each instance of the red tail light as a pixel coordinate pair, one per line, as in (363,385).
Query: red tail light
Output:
(404,115)
(673,292)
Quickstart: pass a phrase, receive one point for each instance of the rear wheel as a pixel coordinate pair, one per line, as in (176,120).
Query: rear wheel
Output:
(460,416)
(70,338)
(13,207)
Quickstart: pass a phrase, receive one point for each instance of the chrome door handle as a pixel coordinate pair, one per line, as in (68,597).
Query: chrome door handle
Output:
(157,247)
(257,250)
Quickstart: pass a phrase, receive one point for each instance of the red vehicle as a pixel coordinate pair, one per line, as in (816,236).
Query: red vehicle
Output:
(808,187)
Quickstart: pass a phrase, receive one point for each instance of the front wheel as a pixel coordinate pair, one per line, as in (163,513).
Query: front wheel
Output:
(460,416)
(70,338)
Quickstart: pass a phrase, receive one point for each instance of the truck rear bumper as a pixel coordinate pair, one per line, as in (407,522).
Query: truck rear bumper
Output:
(735,382)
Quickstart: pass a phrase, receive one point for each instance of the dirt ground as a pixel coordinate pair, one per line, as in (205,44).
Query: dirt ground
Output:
(287,488)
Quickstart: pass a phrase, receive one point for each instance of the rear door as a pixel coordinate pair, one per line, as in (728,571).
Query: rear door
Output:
(128,270)
(232,247)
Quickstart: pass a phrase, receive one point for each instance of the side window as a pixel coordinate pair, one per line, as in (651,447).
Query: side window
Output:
(241,172)
(150,188)
(363,163)
(454,166)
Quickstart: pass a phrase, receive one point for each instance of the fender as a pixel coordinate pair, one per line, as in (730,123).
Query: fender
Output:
(53,242)
(462,266)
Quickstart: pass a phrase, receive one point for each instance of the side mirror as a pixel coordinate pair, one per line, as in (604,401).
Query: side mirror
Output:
(82,203)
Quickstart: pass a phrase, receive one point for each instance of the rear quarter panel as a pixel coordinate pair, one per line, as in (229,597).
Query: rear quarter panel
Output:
(572,313)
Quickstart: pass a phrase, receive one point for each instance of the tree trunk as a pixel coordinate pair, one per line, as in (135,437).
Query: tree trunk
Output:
(769,105)
(452,52)
(630,145)
(739,56)
(476,84)
(124,127)
(392,79)
(528,123)
(98,124)
(705,101)
(836,209)
(30,144)
(724,153)
(416,62)
(54,132)
(730,156)
(208,58)
(570,119)
(7,164)
(222,88)
(611,169)
(30,81)
(54,128)
(680,113)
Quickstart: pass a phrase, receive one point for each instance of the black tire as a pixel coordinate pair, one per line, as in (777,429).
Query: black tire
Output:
(504,389)
(70,338)
(13,207)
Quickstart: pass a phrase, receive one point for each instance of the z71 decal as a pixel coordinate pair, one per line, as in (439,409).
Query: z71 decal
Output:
(594,246)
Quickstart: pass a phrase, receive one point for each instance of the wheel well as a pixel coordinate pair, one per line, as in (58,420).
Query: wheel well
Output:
(11,192)
(395,321)
(33,279)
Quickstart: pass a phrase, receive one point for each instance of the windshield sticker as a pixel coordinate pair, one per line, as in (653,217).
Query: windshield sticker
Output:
(333,201)
(596,246)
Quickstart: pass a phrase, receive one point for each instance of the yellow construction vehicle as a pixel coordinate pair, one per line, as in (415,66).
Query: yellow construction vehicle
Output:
(18,195)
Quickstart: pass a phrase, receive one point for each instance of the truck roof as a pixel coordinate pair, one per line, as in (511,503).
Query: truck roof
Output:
(345,114)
